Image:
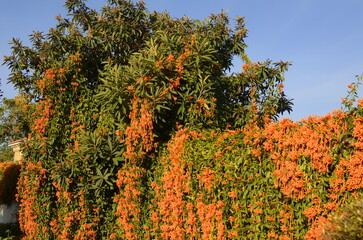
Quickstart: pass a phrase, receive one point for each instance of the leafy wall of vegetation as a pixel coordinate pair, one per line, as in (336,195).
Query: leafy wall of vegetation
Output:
(137,132)
(277,181)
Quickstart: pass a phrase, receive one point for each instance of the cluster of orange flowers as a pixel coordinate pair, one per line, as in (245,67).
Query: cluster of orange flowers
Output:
(170,211)
(43,114)
(47,80)
(68,217)
(128,201)
(139,134)
(29,209)
(139,142)
(173,215)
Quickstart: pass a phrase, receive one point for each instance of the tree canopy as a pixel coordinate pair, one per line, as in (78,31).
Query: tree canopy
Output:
(179,65)
(13,126)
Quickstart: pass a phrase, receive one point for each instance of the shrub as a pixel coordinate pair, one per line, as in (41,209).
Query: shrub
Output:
(9,175)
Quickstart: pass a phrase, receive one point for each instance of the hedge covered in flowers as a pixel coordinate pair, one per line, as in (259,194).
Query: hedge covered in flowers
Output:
(137,132)
(279,181)
(276,182)
(9,174)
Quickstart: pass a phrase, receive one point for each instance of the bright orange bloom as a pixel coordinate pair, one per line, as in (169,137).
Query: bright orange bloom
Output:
(257,211)
(170,58)
(246,66)
(232,194)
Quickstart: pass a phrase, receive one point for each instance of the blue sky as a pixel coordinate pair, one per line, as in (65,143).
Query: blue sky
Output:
(322,38)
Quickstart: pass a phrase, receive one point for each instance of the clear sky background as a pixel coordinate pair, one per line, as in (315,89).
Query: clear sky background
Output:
(322,38)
